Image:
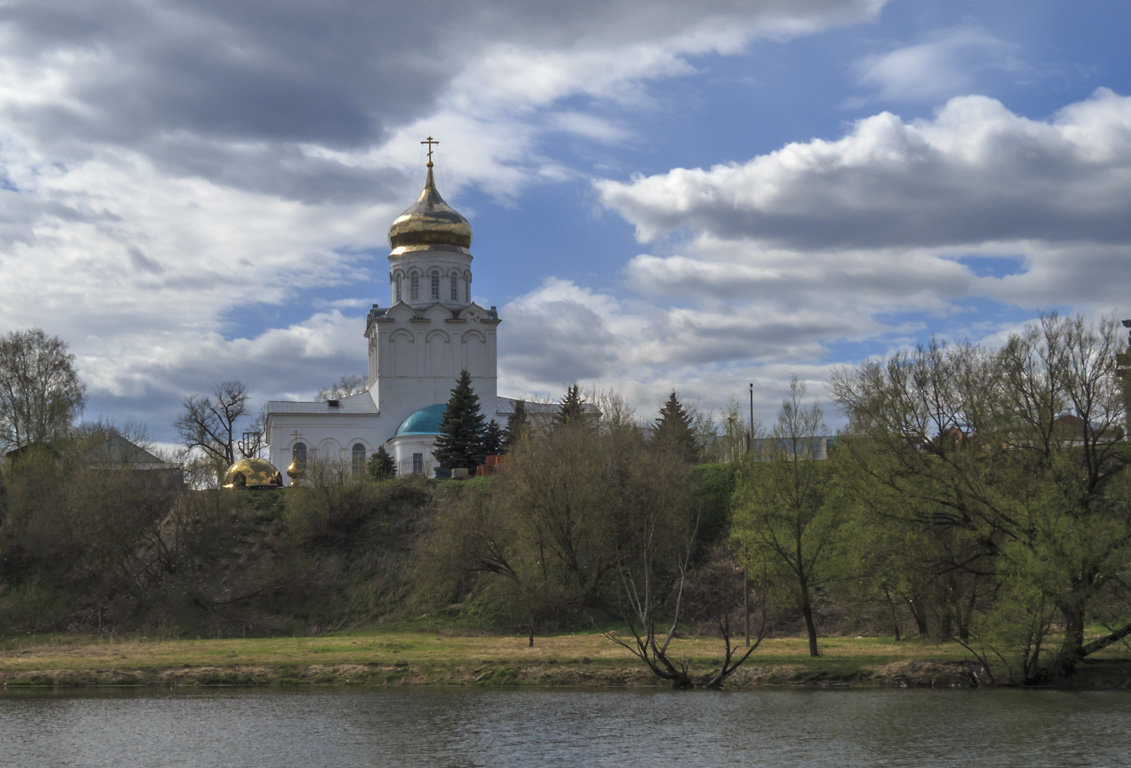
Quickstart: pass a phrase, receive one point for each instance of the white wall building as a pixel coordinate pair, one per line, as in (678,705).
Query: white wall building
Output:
(417,347)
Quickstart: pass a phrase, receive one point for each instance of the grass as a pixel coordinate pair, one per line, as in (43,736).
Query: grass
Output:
(415,648)
(403,657)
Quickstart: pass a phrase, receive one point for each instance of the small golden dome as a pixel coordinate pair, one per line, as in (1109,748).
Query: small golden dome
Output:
(296,471)
(252,473)
(429,222)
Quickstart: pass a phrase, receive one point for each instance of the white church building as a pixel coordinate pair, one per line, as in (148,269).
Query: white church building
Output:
(418,346)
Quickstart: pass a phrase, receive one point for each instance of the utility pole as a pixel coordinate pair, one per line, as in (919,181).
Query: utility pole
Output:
(750,431)
(1123,366)
(746,576)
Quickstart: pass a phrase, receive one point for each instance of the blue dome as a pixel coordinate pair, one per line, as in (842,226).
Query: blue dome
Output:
(426,421)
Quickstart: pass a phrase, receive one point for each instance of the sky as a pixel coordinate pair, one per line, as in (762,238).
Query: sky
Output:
(664,195)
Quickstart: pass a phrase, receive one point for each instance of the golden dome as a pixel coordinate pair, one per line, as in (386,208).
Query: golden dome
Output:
(429,222)
(252,473)
(296,471)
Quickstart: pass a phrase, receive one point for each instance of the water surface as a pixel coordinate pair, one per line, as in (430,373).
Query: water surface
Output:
(450,727)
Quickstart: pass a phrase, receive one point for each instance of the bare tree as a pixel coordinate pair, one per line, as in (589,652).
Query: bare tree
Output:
(208,423)
(655,594)
(40,392)
(349,384)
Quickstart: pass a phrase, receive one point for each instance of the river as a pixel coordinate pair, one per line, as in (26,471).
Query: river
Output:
(458,727)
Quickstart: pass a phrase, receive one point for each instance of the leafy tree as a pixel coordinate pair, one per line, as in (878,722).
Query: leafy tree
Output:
(550,528)
(462,428)
(1017,450)
(349,384)
(674,431)
(85,525)
(40,392)
(784,523)
(381,466)
(932,572)
(588,520)
(571,408)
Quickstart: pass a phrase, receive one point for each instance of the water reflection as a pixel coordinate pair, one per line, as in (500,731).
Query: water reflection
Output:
(457,727)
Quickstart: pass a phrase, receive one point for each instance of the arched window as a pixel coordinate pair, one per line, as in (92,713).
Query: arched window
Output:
(435,280)
(467,289)
(298,453)
(358,456)
(455,287)
(414,287)
(398,284)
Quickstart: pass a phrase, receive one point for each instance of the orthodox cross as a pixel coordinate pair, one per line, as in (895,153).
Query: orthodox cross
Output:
(249,444)
(430,141)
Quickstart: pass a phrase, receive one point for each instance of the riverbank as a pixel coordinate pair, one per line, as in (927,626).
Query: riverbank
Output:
(429,658)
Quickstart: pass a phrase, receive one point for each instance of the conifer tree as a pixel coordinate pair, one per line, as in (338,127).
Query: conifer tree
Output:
(493,438)
(571,407)
(675,432)
(516,425)
(462,429)
(381,465)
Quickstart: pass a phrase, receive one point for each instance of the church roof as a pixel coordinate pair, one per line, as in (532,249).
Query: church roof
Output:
(359,403)
(117,450)
(426,421)
(429,222)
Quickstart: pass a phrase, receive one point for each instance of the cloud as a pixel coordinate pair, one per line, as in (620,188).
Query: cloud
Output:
(863,241)
(562,333)
(976,173)
(246,93)
(171,170)
(947,64)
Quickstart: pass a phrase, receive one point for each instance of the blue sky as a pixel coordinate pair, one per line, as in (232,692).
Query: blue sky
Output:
(664,195)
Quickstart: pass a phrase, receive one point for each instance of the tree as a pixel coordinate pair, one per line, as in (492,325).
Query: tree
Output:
(517,426)
(783,521)
(1019,451)
(462,429)
(571,408)
(586,521)
(208,423)
(674,431)
(381,466)
(40,392)
(349,384)
(493,439)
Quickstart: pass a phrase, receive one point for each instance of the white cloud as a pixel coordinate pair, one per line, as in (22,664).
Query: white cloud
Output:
(975,178)
(167,166)
(860,240)
(947,64)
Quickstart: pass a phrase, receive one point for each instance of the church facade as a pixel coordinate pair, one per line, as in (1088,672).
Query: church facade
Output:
(418,345)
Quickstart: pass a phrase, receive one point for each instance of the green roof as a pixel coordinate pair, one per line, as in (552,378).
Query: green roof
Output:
(426,421)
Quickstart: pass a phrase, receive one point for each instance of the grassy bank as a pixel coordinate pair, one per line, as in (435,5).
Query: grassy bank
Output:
(415,657)
(431,658)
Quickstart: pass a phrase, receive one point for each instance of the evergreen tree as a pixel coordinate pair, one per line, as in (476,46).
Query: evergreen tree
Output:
(381,465)
(493,438)
(675,432)
(571,407)
(516,426)
(462,429)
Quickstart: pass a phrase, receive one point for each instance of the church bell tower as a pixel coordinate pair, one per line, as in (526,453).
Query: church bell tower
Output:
(431,330)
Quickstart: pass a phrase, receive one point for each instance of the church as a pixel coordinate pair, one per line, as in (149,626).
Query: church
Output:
(418,345)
